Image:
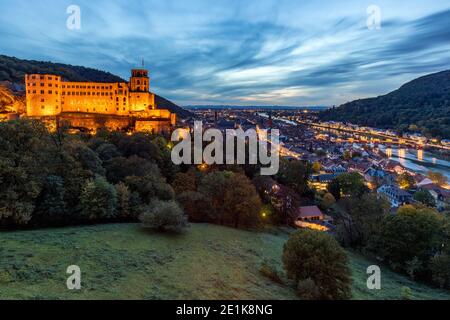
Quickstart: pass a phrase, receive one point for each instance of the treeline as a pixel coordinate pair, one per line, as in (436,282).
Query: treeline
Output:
(50,179)
(420,105)
(57,179)
(14,69)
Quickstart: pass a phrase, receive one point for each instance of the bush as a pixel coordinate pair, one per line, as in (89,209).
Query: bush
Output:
(164,215)
(308,290)
(406,293)
(270,272)
(440,270)
(318,256)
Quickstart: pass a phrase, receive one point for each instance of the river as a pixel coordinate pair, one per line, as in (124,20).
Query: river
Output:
(418,160)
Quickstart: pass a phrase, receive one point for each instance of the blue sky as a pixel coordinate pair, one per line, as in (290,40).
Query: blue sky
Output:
(240,52)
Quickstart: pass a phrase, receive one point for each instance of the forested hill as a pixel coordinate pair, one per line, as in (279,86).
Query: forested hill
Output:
(13,69)
(422,104)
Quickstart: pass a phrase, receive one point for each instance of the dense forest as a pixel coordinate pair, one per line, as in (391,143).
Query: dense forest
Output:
(421,105)
(13,70)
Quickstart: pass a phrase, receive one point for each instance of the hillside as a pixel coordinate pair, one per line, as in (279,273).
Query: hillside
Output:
(13,70)
(122,261)
(424,102)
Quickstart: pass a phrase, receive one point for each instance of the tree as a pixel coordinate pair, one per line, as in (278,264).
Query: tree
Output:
(163,216)
(327,201)
(107,151)
(348,184)
(295,174)
(98,199)
(233,197)
(24,154)
(117,169)
(440,270)
(316,167)
(437,178)
(196,205)
(409,234)
(317,256)
(406,181)
(50,205)
(242,202)
(425,197)
(184,182)
(361,219)
(124,209)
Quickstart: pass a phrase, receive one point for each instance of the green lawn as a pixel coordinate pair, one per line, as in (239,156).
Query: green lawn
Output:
(122,261)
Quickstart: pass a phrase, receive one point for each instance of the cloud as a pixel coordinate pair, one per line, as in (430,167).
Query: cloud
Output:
(233,52)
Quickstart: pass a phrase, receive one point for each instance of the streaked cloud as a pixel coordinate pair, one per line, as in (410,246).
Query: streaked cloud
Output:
(240,52)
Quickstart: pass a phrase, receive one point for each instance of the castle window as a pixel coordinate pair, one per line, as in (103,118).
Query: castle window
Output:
(29,91)
(42,92)
(63,86)
(34,91)
(42,107)
(49,78)
(42,84)
(56,85)
(49,84)
(42,100)
(33,77)
(41,77)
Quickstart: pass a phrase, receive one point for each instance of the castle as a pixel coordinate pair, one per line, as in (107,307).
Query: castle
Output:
(91,105)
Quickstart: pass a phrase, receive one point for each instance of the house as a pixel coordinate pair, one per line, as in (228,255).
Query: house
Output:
(312,218)
(440,195)
(396,196)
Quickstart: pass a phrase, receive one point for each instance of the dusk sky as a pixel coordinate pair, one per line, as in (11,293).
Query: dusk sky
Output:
(240,52)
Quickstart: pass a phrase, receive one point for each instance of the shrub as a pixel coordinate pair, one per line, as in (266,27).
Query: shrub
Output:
(270,272)
(308,290)
(406,293)
(318,256)
(164,215)
(440,270)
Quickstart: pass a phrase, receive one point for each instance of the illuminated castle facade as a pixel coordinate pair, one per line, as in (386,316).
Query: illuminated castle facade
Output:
(92,105)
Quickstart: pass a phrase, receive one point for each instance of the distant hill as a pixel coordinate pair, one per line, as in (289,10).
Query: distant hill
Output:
(422,104)
(13,70)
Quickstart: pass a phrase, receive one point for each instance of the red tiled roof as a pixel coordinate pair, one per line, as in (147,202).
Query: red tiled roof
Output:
(310,211)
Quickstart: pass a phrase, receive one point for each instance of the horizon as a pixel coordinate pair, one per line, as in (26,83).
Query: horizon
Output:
(254,54)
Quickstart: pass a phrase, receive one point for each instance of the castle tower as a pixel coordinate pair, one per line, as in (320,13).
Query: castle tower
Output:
(141,99)
(139,81)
